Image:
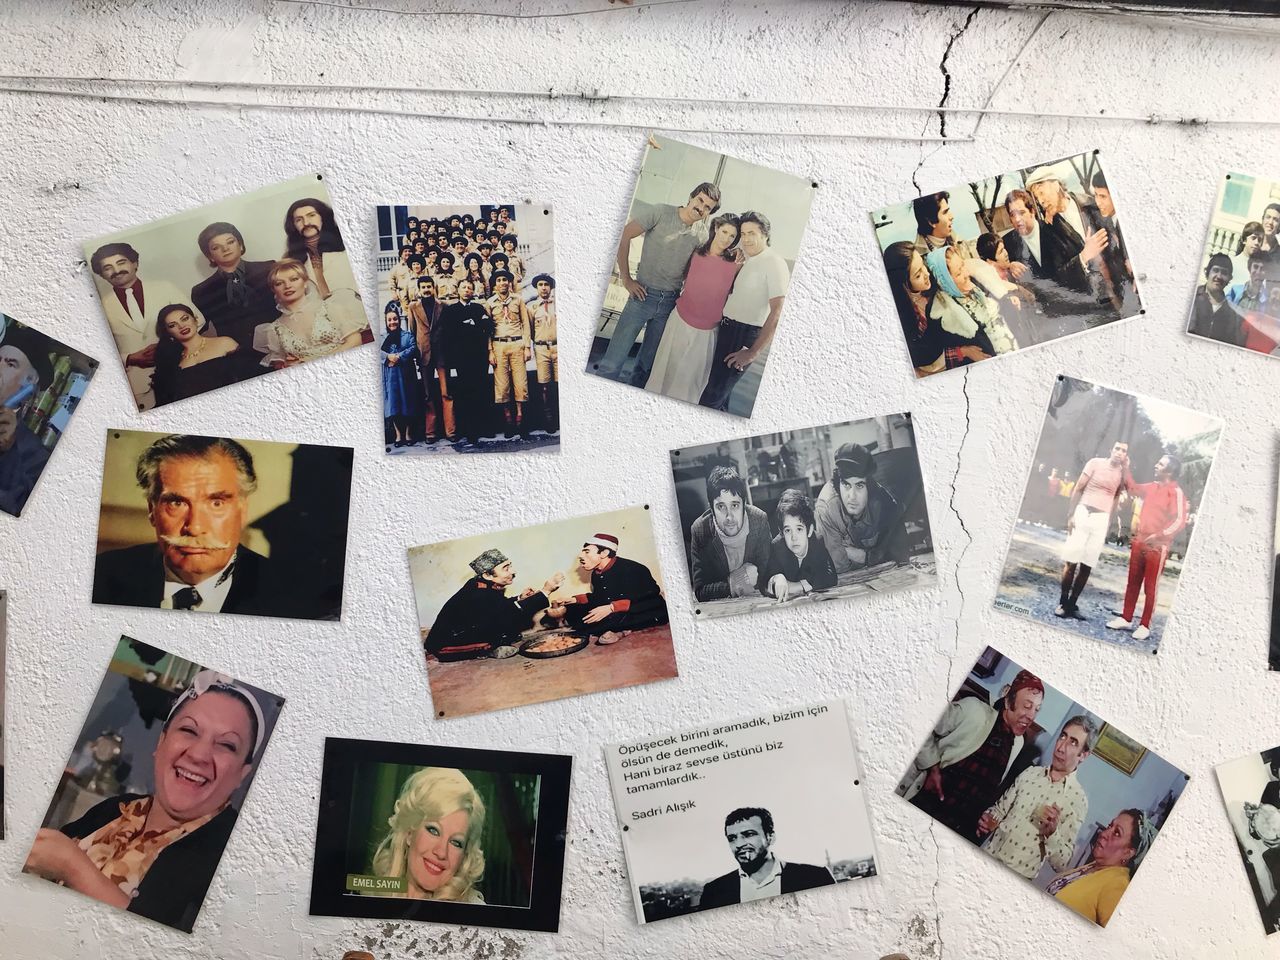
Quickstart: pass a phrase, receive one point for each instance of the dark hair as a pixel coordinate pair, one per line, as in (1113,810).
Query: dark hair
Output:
(599,549)
(444,255)
(404,247)
(1099,182)
(1250,229)
(746,813)
(392,307)
(295,248)
(987,246)
(493,260)
(724,478)
(216,230)
(470,258)
(547,277)
(712,192)
(716,224)
(112,250)
(483,244)
(164,381)
(1219,260)
(1273,205)
(926,209)
(420,261)
(1027,199)
(248,708)
(759,219)
(1259,257)
(426,278)
(457,238)
(492,234)
(897,265)
(794,503)
(174,445)
(410,219)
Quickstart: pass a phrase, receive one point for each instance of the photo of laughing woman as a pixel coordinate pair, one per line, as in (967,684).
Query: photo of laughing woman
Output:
(153,790)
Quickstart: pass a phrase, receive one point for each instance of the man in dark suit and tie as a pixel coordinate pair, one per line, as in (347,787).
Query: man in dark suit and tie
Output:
(198,491)
(760,874)
(238,296)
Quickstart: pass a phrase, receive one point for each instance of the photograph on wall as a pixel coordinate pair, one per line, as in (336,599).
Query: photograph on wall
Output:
(734,812)
(702,270)
(215,525)
(540,613)
(1273,648)
(1016,767)
(41,384)
(1234,301)
(154,785)
(467,337)
(1251,791)
(442,834)
(4,614)
(1108,513)
(229,291)
(997,265)
(804,515)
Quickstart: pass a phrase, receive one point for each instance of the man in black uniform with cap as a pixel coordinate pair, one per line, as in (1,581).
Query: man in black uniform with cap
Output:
(859,521)
(624,596)
(24,361)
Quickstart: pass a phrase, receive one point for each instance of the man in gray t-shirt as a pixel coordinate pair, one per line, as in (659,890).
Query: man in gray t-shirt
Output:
(671,235)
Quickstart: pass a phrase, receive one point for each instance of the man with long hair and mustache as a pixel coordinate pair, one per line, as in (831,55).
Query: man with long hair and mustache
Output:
(312,238)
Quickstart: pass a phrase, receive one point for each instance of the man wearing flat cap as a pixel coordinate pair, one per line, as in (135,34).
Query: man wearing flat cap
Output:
(974,754)
(859,521)
(480,620)
(24,362)
(624,596)
(1077,216)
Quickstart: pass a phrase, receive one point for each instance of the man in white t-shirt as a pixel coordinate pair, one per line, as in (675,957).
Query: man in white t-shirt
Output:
(751,312)
(1093,500)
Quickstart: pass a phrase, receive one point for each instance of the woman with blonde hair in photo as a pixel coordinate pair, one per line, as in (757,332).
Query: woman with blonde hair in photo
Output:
(309,326)
(434,842)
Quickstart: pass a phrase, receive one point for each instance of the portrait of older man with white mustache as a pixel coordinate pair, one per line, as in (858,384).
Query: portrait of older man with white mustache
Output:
(198,491)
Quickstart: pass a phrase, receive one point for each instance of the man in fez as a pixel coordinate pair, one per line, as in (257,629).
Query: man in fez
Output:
(624,596)
(24,362)
(480,620)
(974,754)
(761,873)
(198,491)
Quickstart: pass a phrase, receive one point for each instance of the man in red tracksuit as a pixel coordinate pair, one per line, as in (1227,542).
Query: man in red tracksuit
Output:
(1164,514)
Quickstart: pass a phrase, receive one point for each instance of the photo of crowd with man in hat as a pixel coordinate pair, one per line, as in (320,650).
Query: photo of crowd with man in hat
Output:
(803,515)
(539,613)
(469,357)
(997,265)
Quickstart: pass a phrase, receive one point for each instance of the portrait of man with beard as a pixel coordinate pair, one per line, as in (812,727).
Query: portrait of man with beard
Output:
(760,872)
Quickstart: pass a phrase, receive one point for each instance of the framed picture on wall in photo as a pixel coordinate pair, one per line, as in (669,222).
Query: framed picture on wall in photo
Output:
(700,279)
(229,291)
(993,266)
(798,516)
(467,332)
(1108,513)
(155,782)
(1013,766)
(441,834)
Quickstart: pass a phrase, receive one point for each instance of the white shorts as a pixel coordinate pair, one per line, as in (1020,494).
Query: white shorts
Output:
(1085,542)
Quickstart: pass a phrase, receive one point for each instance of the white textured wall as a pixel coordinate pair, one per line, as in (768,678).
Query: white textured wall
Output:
(77,168)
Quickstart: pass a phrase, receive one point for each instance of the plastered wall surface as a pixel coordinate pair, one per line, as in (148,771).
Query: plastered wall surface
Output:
(81,167)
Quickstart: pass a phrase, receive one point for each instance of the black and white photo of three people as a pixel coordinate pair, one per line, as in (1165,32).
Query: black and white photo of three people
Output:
(808,514)
(701,276)
(997,265)
(229,291)
(1043,785)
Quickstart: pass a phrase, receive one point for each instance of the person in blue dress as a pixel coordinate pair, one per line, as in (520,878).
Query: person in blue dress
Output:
(401,393)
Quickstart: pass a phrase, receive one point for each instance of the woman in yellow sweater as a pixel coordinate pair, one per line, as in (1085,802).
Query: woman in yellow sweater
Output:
(1094,889)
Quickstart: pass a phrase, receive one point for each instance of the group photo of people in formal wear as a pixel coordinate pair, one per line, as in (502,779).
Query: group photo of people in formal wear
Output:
(1043,785)
(154,784)
(229,291)
(701,276)
(42,382)
(1108,513)
(803,515)
(216,525)
(742,811)
(539,613)
(444,834)
(997,265)
(468,347)
(1251,792)
(1233,301)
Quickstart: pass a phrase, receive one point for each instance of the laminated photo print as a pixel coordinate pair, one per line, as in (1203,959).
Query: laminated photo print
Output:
(216,525)
(1108,513)
(4,613)
(155,782)
(539,613)
(735,812)
(229,291)
(1273,648)
(989,267)
(701,275)
(442,834)
(41,384)
(1234,301)
(467,335)
(798,516)
(1251,792)
(1043,785)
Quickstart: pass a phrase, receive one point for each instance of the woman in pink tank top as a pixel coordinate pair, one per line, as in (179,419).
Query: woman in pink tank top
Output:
(682,365)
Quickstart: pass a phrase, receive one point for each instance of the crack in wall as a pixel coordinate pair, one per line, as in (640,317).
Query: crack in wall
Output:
(946,94)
